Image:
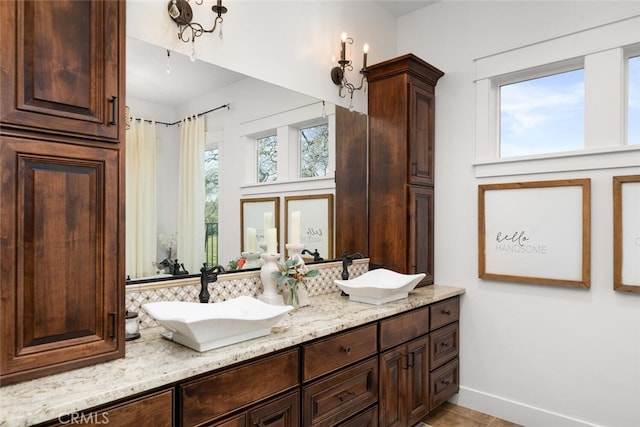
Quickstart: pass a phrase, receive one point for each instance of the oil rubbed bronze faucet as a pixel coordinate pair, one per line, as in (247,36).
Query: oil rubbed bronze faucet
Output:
(347,260)
(206,276)
(316,255)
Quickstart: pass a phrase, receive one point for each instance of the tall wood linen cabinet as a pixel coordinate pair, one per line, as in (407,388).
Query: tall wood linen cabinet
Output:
(62,185)
(401,164)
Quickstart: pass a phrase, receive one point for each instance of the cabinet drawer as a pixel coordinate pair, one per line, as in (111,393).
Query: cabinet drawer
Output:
(341,395)
(443,384)
(368,418)
(443,345)
(445,312)
(221,393)
(337,351)
(403,328)
(151,410)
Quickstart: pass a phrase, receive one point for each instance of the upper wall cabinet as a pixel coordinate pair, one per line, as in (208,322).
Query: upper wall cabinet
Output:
(401,164)
(62,186)
(60,70)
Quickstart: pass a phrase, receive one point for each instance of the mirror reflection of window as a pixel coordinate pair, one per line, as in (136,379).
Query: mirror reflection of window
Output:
(267,158)
(314,151)
(211,205)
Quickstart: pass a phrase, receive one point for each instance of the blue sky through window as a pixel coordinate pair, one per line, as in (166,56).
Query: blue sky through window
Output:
(633,119)
(543,115)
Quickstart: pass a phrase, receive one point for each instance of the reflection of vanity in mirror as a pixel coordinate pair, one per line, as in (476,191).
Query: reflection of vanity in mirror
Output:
(166,87)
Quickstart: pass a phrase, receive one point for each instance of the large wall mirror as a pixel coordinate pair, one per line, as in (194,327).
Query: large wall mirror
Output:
(167,87)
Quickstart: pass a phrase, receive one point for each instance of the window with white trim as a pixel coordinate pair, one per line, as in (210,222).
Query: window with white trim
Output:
(267,166)
(633,100)
(314,151)
(542,115)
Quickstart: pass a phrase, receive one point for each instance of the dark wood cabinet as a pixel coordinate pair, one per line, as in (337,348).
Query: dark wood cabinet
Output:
(401,164)
(404,368)
(61,67)
(62,204)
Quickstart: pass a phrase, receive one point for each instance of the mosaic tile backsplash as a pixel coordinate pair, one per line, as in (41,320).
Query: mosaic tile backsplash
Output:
(229,286)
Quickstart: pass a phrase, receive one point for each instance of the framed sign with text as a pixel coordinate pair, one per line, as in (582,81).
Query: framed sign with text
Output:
(535,232)
(626,233)
(316,222)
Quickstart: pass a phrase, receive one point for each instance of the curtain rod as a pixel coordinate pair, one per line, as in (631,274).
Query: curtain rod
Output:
(227,106)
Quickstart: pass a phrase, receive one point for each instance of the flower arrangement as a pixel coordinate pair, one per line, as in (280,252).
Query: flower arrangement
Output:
(236,264)
(291,274)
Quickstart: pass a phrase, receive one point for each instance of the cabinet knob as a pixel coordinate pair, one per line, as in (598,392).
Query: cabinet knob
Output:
(447,312)
(346,350)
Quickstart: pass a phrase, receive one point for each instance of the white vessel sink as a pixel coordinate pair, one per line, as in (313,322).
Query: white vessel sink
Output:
(204,327)
(379,286)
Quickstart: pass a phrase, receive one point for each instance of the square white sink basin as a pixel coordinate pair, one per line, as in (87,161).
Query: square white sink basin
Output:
(204,327)
(379,286)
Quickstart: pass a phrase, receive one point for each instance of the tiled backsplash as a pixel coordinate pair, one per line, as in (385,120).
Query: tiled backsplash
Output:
(229,286)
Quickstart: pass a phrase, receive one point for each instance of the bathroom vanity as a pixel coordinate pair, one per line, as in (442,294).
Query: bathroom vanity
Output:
(335,362)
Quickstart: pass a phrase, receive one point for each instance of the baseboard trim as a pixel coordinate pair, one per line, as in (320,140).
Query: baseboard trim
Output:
(513,411)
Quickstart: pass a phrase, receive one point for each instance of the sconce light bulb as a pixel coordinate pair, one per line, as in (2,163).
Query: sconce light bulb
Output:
(343,37)
(365,48)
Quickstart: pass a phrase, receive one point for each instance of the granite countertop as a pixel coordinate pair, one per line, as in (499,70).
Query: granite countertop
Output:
(153,361)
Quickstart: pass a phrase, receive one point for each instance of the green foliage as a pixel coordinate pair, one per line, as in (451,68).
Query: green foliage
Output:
(292,272)
(314,151)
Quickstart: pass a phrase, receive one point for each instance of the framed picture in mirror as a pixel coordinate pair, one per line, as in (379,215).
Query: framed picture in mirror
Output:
(257,215)
(309,222)
(626,233)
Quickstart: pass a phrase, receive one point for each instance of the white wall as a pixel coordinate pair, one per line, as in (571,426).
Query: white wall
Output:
(534,354)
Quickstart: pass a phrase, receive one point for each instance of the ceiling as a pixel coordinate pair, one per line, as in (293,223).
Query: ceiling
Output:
(147,77)
(399,8)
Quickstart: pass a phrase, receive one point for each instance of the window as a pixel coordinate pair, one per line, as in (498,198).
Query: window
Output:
(633,110)
(314,151)
(267,158)
(211,206)
(542,115)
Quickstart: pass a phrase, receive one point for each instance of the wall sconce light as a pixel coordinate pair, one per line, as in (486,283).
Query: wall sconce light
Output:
(182,14)
(338,74)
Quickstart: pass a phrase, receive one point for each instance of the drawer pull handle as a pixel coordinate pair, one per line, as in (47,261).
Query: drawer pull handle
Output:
(447,312)
(114,110)
(346,350)
(446,383)
(444,344)
(346,396)
(113,317)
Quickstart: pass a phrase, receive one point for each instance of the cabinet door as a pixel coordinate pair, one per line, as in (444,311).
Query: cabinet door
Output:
(61,276)
(62,66)
(421,225)
(392,382)
(283,412)
(404,384)
(421,135)
(417,392)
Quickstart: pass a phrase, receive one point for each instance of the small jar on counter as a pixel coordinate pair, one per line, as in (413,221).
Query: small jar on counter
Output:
(131,326)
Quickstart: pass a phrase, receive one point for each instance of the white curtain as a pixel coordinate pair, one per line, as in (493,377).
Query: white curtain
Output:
(191,229)
(141,206)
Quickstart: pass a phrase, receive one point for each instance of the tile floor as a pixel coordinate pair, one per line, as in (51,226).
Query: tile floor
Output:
(450,415)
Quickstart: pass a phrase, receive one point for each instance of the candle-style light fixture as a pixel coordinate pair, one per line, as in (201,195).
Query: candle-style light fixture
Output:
(338,74)
(182,14)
